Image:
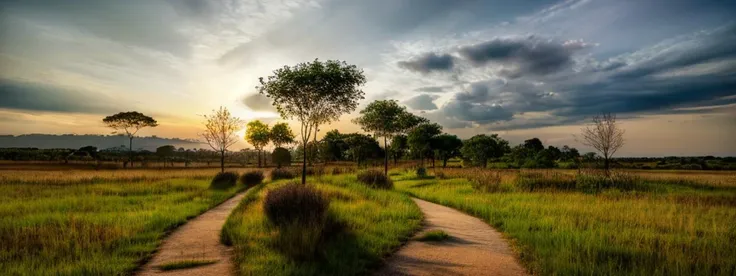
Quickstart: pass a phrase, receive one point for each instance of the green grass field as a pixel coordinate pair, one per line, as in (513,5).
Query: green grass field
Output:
(98,228)
(374,223)
(675,229)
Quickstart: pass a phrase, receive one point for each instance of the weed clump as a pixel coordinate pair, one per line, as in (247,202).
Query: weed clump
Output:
(252,178)
(282,173)
(434,235)
(300,213)
(544,180)
(224,180)
(597,180)
(489,182)
(375,179)
(421,172)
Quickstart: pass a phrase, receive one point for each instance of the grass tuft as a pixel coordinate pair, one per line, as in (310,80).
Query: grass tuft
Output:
(185,264)
(433,235)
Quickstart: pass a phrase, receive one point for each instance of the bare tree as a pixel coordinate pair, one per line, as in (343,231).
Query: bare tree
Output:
(220,128)
(604,135)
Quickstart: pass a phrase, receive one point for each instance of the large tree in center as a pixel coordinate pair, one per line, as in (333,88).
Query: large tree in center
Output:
(129,123)
(420,138)
(385,118)
(281,134)
(314,93)
(258,134)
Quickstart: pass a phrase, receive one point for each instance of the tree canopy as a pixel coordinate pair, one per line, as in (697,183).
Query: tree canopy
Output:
(420,138)
(314,93)
(447,146)
(480,148)
(257,134)
(281,134)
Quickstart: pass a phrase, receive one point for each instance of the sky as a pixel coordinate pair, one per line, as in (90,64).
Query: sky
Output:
(522,69)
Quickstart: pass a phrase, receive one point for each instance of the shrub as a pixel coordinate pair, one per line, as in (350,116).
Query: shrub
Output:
(252,178)
(421,172)
(375,179)
(224,180)
(336,171)
(300,213)
(281,157)
(282,173)
(531,181)
(597,180)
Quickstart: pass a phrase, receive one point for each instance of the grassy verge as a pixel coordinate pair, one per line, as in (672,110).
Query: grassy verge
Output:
(93,229)
(681,230)
(373,224)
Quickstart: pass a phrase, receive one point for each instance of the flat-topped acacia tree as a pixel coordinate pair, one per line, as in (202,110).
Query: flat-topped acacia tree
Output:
(386,118)
(314,93)
(130,123)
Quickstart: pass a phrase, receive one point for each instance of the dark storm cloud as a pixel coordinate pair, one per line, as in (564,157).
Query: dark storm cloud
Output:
(258,102)
(529,55)
(429,62)
(39,97)
(688,72)
(422,102)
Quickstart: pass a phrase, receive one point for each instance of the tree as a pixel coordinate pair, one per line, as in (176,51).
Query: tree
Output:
(605,136)
(281,134)
(569,153)
(361,147)
(257,134)
(165,152)
(382,117)
(534,145)
(333,146)
(447,146)
(420,139)
(129,123)
(314,93)
(399,145)
(219,132)
(479,148)
(281,156)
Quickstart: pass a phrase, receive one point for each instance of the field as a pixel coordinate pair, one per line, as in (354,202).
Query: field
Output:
(74,221)
(372,224)
(94,222)
(671,223)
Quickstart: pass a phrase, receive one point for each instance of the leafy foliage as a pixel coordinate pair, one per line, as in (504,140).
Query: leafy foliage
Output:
(281,134)
(281,157)
(129,122)
(480,148)
(257,134)
(420,138)
(447,146)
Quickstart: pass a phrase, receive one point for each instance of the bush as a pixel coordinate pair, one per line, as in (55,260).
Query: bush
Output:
(282,173)
(375,179)
(252,178)
(597,180)
(224,180)
(421,172)
(300,213)
(531,181)
(281,157)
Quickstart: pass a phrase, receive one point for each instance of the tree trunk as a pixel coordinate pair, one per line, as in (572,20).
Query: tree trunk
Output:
(444,163)
(259,158)
(130,151)
(433,161)
(304,164)
(222,161)
(385,159)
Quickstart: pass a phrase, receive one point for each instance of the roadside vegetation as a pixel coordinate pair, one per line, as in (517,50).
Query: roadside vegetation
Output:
(95,223)
(666,224)
(359,227)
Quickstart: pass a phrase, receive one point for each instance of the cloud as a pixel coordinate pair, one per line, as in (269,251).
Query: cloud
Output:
(519,56)
(429,62)
(40,97)
(432,89)
(258,102)
(422,102)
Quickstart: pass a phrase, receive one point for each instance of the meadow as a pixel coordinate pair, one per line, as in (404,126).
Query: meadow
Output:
(669,223)
(365,225)
(89,222)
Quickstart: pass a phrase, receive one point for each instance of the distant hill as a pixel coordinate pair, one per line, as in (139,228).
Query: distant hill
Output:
(73,141)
